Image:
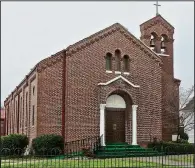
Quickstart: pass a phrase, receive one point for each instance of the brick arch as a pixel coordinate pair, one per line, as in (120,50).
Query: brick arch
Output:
(123,93)
(155,34)
(165,36)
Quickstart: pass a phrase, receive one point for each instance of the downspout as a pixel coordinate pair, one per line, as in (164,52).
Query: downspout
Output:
(18,115)
(63,93)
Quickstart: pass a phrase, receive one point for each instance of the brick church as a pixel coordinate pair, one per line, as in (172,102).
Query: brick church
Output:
(110,84)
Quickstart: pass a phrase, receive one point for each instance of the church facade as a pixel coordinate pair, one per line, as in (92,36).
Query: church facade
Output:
(110,84)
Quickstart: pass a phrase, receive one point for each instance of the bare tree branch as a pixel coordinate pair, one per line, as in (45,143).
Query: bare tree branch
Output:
(185,96)
(186,117)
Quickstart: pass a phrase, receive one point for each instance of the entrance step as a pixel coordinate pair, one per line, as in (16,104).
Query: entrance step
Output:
(122,155)
(121,146)
(124,150)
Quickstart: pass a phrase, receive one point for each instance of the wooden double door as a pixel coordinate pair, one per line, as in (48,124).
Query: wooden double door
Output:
(115,125)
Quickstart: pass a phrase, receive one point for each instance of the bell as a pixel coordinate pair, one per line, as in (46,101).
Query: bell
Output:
(152,43)
(163,45)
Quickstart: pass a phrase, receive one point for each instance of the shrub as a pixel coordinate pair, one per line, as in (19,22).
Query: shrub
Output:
(48,145)
(13,144)
(172,147)
(184,136)
(182,141)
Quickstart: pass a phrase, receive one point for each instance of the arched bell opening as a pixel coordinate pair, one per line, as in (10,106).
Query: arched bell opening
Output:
(153,39)
(163,47)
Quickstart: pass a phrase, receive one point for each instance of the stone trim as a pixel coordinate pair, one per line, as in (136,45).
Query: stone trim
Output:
(164,55)
(117,72)
(107,71)
(119,77)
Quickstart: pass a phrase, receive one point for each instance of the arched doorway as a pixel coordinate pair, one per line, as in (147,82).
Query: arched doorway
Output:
(115,119)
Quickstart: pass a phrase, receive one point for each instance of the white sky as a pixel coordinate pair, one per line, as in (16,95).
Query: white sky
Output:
(32,31)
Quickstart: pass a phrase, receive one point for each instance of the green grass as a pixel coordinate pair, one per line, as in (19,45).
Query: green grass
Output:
(95,163)
(53,163)
(84,163)
(183,158)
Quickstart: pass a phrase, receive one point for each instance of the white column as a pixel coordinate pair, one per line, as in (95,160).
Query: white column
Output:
(102,123)
(134,125)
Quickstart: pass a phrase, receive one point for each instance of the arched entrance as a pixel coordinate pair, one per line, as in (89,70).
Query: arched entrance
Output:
(115,119)
(118,119)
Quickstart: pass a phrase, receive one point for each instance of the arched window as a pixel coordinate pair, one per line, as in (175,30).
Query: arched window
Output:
(126,63)
(118,60)
(153,41)
(163,43)
(109,61)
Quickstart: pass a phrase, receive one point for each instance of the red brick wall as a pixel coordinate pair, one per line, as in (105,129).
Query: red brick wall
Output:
(49,100)
(86,68)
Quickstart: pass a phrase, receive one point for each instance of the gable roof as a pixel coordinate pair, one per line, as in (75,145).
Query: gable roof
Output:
(155,20)
(108,31)
(116,78)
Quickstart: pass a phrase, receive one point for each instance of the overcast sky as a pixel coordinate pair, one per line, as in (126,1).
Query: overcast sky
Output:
(32,31)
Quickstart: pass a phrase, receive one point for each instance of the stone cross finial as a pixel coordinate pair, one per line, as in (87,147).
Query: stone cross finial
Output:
(157,5)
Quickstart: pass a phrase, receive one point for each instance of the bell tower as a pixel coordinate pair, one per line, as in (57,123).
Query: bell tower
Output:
(157,34)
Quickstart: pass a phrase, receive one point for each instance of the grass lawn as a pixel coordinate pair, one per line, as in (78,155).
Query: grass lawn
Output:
(183,158)
(74,163)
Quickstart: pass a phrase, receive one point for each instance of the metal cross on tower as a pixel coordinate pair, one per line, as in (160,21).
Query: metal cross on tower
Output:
(157,5)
